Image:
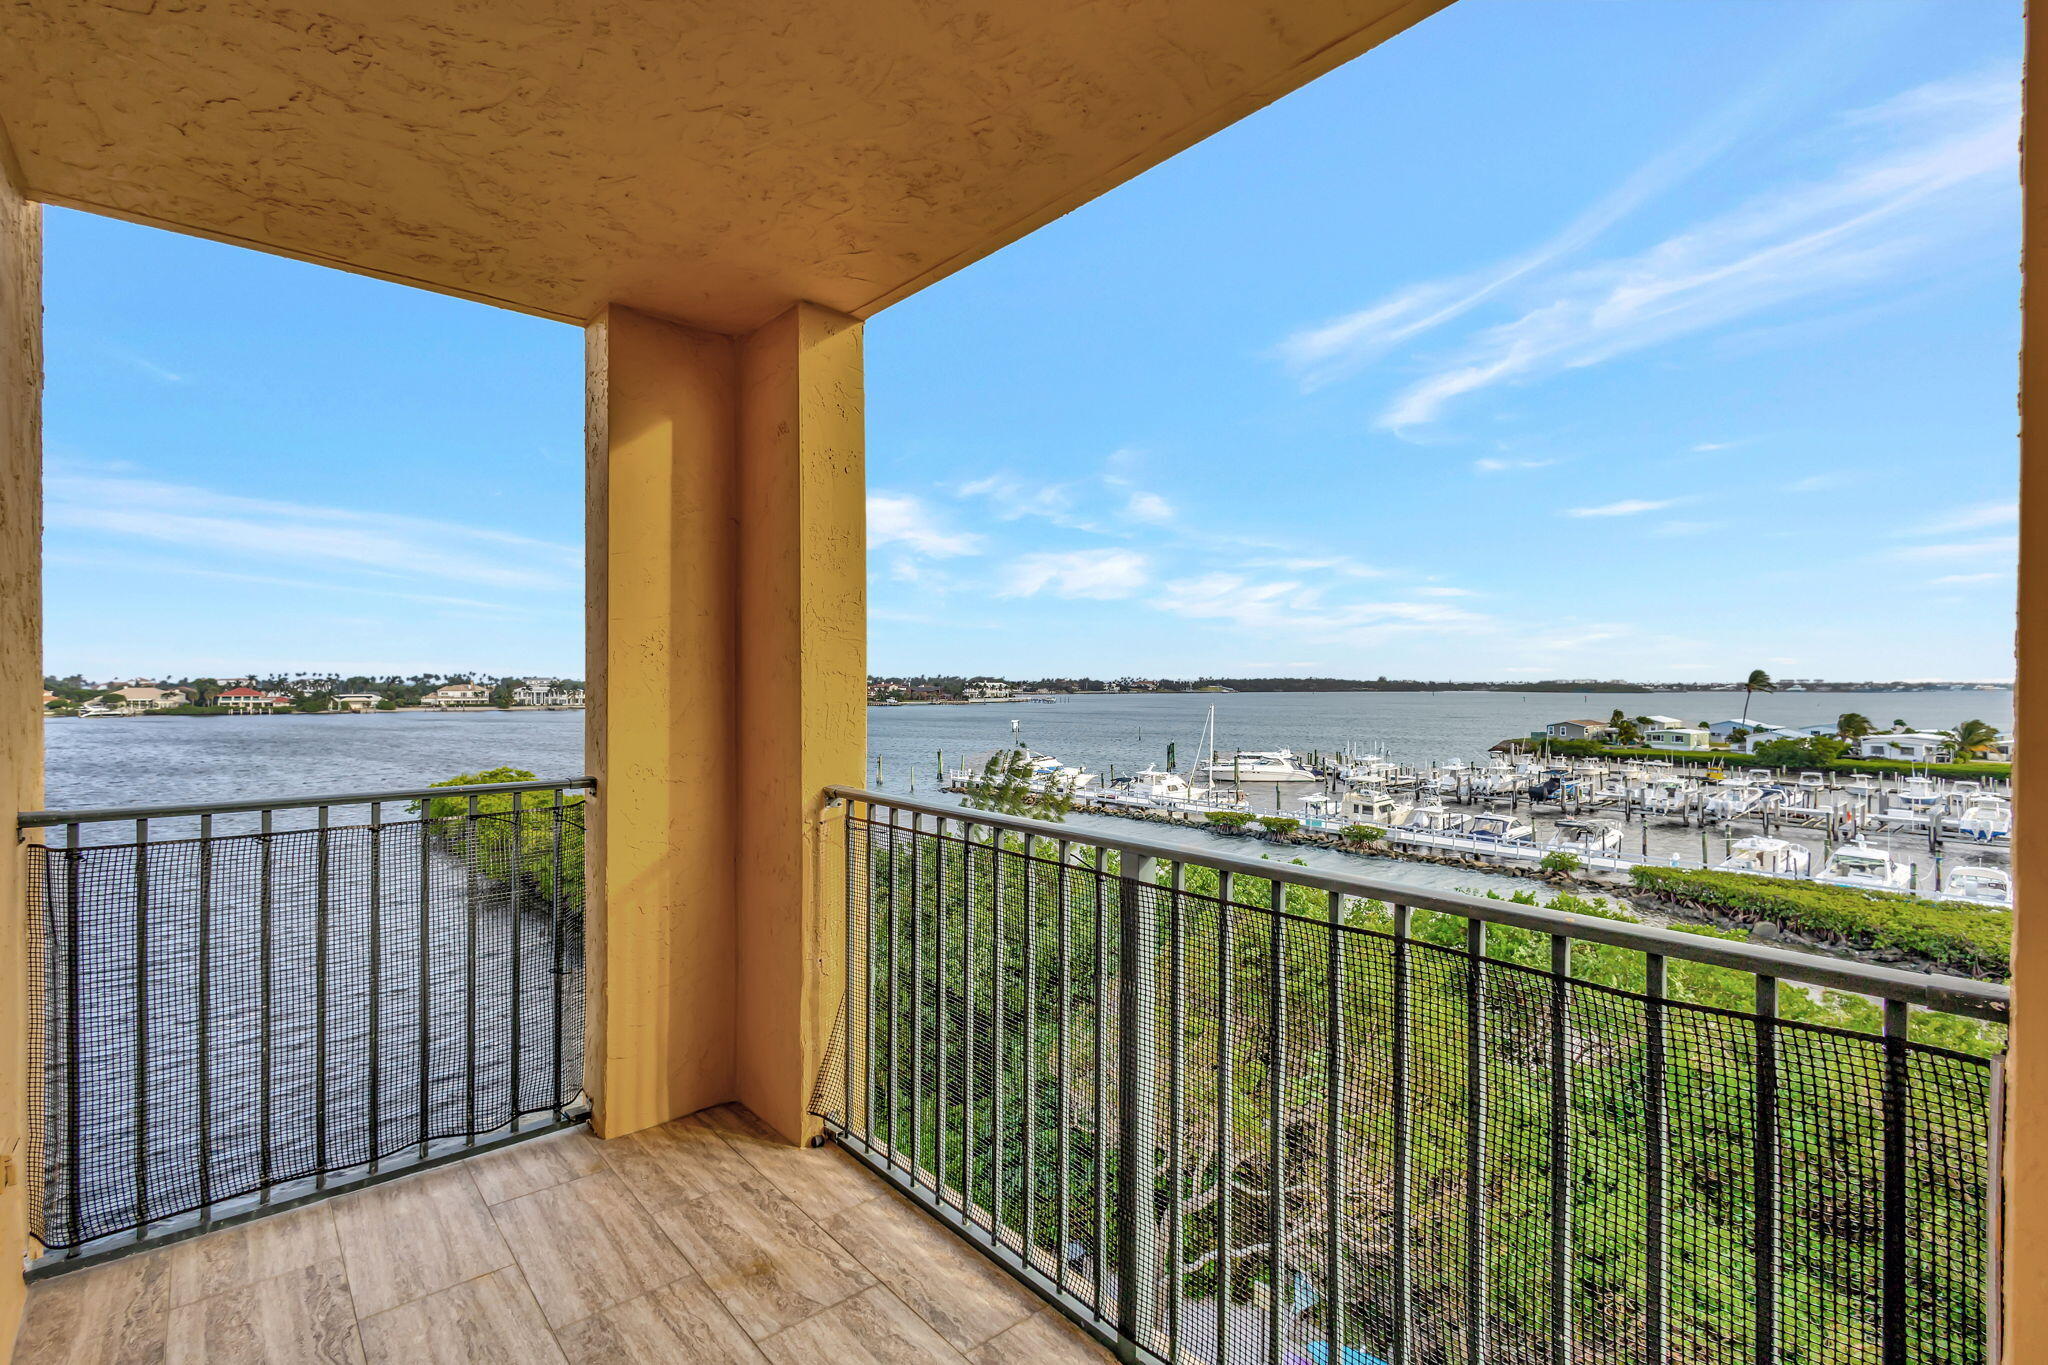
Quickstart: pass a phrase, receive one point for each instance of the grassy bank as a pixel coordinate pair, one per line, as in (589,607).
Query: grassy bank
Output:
(1967,940)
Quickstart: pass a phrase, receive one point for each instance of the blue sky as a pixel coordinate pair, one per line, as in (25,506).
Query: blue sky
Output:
(1658,340)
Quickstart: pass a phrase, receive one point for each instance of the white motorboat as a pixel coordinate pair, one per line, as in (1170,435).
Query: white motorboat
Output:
(1766,857)
(1499,827)
(1978,885)
(1666,796)
(1370,807)
(1916,797)
(1433,819)
(1986,818)
(1048,773)
(1586,838)
(1258,765)
(1860,865)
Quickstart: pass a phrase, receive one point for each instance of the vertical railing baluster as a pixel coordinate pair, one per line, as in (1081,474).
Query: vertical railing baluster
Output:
(1137,1100)
(1656,1268)
(895,996)
(515,876)
(141,1028)
(998,1030)
(869,962)
(1333,1162)
(917,1002)
(1063,976)
(1897,1020)
(1402,1193)
(472,838)
(204,1031)
(1766,1170)
(939,1008)
(1176,1116)
(425,984)
(1560,1150)
(1276,1103)
(856,1014)
(320,934)
(74,1153)
(1102,1249)
(1475,1145)
(558,815)
(1030,1156)
(969,838)
(266,966)
(376,1002)
(1226,970)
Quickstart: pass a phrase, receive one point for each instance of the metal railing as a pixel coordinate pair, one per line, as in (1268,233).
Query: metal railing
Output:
(1233,1110)
(241,1005)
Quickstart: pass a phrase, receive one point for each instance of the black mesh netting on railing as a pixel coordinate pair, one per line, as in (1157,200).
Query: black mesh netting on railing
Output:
(1300,1129)
(221,1016)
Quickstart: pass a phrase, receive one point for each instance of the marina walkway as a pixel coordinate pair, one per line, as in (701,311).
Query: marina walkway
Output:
(700,1240)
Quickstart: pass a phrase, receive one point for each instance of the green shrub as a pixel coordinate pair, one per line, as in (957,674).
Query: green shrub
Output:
(1971,941)
(1560,861)
(491,837)
(1227,819)
(1279,824)
(1720,758)
(1361,834)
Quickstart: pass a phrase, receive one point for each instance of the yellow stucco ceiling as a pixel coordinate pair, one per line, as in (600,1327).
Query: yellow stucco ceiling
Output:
(709,160)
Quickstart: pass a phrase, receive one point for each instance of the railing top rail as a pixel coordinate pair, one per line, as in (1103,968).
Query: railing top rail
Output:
(1951,994)
(43,819)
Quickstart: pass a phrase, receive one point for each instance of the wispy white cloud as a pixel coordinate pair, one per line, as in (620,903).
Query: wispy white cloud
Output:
(903,519)
(1705,447)
(1101,574)
(1627,507)
(1288,608)
(1497,466)
(1445,592)
(1686,528)
(1343,565)
(1964,579)
(222,525)
(1912,177)
(1817,483)
(1148,507)
(1975,518)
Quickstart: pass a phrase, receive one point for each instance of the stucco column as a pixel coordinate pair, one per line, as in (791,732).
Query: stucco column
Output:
(802,693)
(21,686)
(661,559)
(727,569)
(2024,1226)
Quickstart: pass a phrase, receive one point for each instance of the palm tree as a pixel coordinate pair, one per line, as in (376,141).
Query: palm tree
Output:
(1853,725)
(1758,681)
(1971,737)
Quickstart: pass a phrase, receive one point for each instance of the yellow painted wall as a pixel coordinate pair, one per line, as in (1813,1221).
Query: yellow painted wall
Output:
(802,693)
(659,732)
(2025,1227)
(21,698)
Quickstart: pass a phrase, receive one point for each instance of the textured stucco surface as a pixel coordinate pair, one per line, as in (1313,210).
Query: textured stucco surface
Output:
(21,697)
(710,161)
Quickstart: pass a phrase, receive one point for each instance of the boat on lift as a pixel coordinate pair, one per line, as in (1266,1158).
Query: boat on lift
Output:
(1986,818)
(1372,807)
(1258,765)
(1585,838)
(1433,819)
(1859,865)
(1500,827)
(1977,884)
(1763,856)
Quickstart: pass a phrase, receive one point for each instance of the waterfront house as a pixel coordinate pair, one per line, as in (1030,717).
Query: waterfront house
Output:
(357,701)
(252,701)
(564,1103)
(454,695)
(1577,729)
(1915,746)
(989,689)
(1675,737)
(1723,731)
(1764,734)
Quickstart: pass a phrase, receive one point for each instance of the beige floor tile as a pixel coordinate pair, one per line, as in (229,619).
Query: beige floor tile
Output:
(822,1180)
(303,1317)
(260,1250)
(1044,1338)
(115,1314)
(962,1294)
(680,1159)
(415,1236)
(491,1320)
(871,1328)
(535,1164)
(587,1245)
(680,1321)
(768,1264)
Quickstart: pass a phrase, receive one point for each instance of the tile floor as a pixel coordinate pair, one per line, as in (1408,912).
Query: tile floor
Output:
(701,1240)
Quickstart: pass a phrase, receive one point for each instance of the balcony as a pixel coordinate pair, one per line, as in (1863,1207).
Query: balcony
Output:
(703,1239)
